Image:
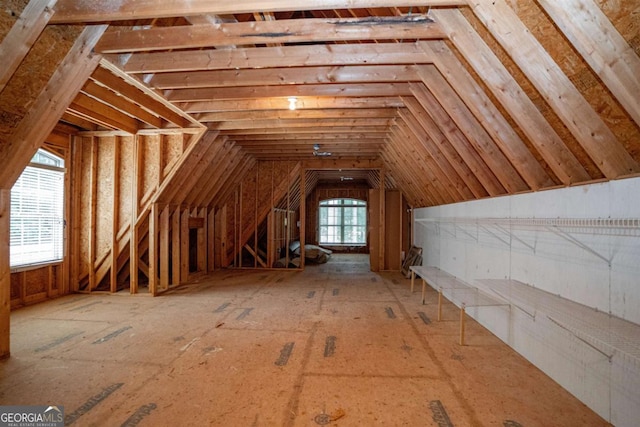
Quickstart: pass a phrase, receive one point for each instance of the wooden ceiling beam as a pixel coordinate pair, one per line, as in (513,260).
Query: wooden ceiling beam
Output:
(103,114)
(227,157)
(201,171)
(435,134)
(302,103)
(310,143)
(336,164)
(311,130)
(335,113)
(488,115)
(138,96)
(22,36)
(268,32)
(403,163)
(195,161)
(556,88)
(449,173)
(121,104)
(79,122)
(308,150)
(423,166)
(457,140)
(404,137)
(511,96)
(372,155)
(317,137)
(476,134)
(398,174)
(280,76)
(287,91)
(296,123)
(275,57)
(602,47)
(78,11)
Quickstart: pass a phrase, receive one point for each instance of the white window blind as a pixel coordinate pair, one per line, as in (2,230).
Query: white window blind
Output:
(37,212)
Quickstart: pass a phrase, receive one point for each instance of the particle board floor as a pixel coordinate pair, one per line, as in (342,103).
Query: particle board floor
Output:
(333,345)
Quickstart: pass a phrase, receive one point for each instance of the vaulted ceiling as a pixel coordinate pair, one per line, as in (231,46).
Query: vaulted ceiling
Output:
(456,100)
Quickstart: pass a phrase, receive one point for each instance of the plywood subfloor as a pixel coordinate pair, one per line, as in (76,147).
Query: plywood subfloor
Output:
(333,345)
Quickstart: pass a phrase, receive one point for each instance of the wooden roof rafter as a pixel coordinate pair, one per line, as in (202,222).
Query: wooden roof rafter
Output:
(439,84)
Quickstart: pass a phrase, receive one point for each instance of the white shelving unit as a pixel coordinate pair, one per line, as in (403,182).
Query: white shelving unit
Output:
(505,229)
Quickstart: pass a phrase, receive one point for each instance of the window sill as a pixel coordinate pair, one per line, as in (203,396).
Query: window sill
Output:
(29,267)
(355,245)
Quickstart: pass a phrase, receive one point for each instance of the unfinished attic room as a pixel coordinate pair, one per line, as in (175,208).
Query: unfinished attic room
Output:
(320,212)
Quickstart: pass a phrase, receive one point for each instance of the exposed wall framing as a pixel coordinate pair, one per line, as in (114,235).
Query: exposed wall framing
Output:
(115,179)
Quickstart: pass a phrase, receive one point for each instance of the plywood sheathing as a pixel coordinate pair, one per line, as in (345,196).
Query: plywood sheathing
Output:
(105,191)
(151,149)
(126,177)
(83,167)
(34,72)
(537,21)
(116,177)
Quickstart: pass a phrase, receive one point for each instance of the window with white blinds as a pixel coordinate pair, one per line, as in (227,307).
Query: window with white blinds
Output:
(37,212)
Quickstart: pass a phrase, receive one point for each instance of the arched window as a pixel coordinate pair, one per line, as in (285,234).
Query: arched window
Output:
(37,212)
(343,222)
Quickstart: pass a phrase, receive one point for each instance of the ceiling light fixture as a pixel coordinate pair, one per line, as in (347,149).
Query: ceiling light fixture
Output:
(317,153)
(292,103)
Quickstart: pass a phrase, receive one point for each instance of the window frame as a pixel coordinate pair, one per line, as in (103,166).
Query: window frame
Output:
(342,204)
(44,160)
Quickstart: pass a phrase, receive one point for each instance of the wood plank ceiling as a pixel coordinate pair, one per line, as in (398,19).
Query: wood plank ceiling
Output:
(456,99)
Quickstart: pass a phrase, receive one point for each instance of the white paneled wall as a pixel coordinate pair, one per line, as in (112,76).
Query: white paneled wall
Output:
(527,238)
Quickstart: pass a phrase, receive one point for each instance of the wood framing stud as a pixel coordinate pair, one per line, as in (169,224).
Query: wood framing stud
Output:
(5,276)
(24,33)
(54,99)
(576,113)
